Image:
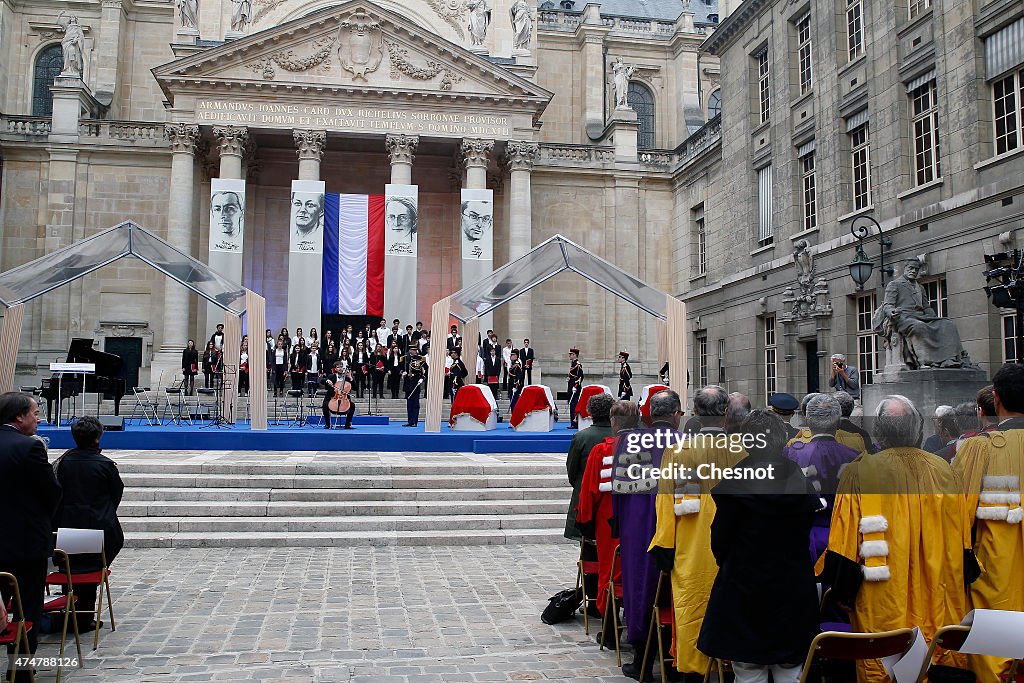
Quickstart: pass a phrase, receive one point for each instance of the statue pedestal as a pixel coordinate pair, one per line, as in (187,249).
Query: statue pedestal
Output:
(624,129)
(927,388)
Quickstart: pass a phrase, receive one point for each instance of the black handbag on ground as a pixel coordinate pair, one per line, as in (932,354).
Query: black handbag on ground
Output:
(562,605)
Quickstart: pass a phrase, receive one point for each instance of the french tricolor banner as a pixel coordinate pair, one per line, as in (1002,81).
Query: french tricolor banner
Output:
(353,261)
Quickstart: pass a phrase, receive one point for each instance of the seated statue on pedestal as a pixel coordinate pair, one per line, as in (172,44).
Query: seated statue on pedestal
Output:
(912,333)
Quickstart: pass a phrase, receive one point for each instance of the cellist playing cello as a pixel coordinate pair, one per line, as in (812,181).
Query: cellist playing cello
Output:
(337,400)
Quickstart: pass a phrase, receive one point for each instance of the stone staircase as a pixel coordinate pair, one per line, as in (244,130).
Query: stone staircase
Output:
(426,499)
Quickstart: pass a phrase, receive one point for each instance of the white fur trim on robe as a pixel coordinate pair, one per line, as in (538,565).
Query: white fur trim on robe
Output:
(687,506)
(873,524)
(876,573)
(874,549)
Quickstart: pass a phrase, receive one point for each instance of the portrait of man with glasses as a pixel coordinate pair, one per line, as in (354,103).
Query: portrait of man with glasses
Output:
(477,221)
(400,219)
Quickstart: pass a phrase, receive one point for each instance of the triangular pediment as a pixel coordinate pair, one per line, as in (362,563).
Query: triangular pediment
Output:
(355,47)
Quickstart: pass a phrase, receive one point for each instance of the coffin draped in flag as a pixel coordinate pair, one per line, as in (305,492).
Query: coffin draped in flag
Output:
(353,265)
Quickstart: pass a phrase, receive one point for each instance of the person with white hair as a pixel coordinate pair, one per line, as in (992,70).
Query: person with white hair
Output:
(934,442)
(900,559)
(844,377)
(822,458)
(842,434)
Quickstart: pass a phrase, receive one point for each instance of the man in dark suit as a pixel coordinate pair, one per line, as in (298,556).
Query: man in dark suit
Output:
(32,494)
(526,358)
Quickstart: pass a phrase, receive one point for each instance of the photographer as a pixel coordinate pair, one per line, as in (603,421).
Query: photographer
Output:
(844,377)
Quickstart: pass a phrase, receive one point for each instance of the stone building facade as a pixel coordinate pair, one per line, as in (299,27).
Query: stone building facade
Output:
(174,93)
(836,115)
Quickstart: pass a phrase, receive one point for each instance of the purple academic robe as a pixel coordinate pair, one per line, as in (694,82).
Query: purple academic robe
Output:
(637,518)
(827,457)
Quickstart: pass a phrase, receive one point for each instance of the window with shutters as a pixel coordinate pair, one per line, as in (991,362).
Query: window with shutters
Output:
(765,230)
(770,357)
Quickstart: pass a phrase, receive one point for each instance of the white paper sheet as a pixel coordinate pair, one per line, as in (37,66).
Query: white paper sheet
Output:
(909,665)
(995,632)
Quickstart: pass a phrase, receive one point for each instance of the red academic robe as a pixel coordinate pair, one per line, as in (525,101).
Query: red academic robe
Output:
(596,505)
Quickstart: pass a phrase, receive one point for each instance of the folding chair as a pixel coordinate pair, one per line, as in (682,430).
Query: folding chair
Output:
(177,409)
(585,568)
(952,638)
(298,419)
(663,616)
(15,634)
(86,542)
(64,604)
(613,599)
(856,646)
(149,406)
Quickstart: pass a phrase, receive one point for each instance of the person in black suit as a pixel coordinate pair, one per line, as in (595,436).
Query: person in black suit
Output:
(92,491)
(189,367)
(217,338)
(394,365)
(209,361)
(492,368)
(415,374)
(454,341)
(379,368)
(398,339)
(457,372)
(526,358)
(31,496)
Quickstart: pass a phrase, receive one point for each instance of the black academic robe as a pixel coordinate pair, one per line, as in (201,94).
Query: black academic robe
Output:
(92,491)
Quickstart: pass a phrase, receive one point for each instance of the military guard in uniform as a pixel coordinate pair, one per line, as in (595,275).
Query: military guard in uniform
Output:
(414,373)
(625,374)
(515,380)
(574,384)
(457,371)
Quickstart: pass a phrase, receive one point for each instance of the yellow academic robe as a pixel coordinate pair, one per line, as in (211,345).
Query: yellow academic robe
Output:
(849,439)
(684,523)
(900,514)
(991,467)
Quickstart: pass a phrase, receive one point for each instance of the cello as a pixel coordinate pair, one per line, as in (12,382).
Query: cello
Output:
(340,403)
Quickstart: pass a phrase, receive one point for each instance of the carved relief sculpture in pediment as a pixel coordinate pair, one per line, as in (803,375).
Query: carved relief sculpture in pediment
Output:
(359,45)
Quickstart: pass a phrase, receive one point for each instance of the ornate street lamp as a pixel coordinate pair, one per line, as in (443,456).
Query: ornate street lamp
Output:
(862,267)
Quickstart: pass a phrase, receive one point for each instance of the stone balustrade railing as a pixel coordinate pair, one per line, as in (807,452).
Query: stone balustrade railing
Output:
(656,158)
(577,154)
(30,126)
(553,20)
(709,134)
(122,131)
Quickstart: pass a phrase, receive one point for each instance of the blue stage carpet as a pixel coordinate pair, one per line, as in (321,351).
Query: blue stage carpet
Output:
(365,437)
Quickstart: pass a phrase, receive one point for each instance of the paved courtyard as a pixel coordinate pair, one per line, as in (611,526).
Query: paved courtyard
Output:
(365,614)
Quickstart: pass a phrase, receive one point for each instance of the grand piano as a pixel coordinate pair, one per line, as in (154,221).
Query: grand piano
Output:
(108,380)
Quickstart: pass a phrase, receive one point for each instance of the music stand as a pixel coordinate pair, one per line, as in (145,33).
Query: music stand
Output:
(219,384)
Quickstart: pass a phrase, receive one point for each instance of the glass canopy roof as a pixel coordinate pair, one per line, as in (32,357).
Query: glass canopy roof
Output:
(543,262)
(50,271)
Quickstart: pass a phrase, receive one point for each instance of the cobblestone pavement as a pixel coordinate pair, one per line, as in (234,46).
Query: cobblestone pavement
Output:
(373,615)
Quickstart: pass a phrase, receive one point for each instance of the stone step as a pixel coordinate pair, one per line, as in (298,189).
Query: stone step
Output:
(134,526)
(452,537)
(340,482)
(264,495)
(163,508)
(456,466)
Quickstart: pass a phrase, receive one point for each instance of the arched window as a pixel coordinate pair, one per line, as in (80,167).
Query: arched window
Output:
(49,64)
(715,104)
(640,98)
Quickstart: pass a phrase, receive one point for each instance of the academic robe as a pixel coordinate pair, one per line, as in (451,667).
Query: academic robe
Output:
(910,543)
(582,443)
(595,506)
(991,467)
(634,509)
(822,460)
(849,439)
(685,511)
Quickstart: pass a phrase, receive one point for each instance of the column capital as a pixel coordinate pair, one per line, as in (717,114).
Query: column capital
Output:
(310,144)
(401,148)
(184,137)
(476,152)
(232,139)
(521,155)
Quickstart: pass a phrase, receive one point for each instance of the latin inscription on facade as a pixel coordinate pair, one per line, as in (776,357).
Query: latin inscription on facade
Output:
(353,119)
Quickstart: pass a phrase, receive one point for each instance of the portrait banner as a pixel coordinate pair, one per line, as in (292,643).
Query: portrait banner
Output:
(476,219)
(227,215)
(401,222)
(306,249)
(227,238)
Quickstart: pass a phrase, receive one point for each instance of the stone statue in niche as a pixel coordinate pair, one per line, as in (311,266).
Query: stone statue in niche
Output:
(240,17)
(522,25)
(804,259)
(621,73)
(912,333)
(360,45)
(72,45)
(188,11)
(810,297)
(479,20)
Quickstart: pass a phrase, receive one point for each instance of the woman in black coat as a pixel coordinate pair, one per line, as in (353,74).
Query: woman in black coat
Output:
(209,361)
(92,491)
(189,368)
(763,608)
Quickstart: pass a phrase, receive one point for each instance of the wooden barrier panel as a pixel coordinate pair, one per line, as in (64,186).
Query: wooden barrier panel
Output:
(232,346)
(435,359)
(10,339)
(256,316)
(675,336)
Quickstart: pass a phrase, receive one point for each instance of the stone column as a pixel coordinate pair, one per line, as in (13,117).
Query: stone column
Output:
(520,158)
(590,35)
(175,312)
(111,23)
(310,145)
(476,154)
(402,152)
(232,141)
